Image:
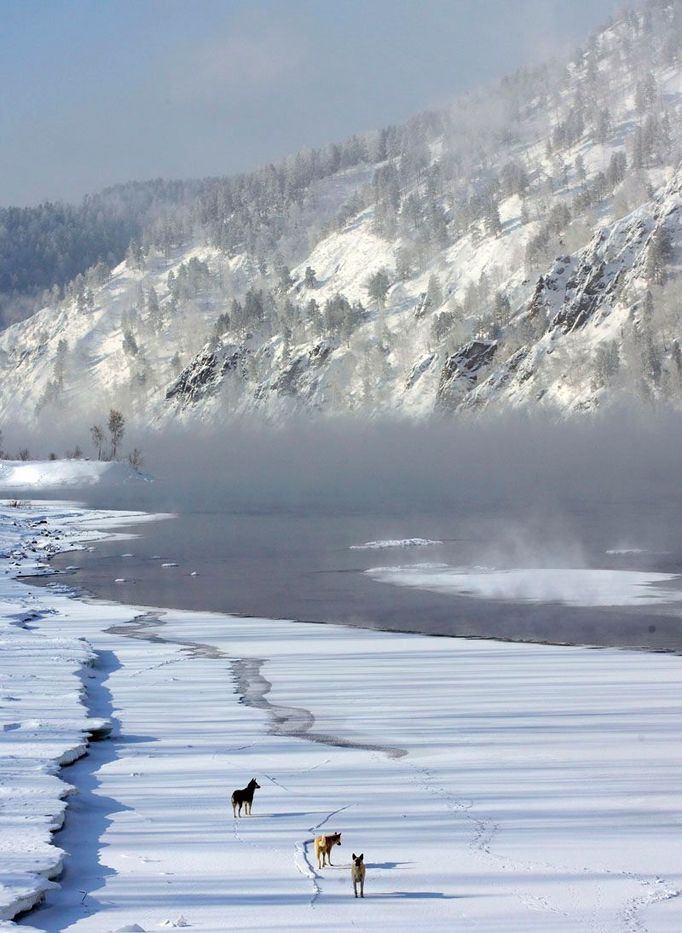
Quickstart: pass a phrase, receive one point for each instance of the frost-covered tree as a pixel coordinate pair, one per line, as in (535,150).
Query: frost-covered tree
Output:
(651,356)
(602,125)
(638,155)
(387,198)
(659,256)
(491,219)
(286,346)
(60,363)
(97,435)
(645,93)
(284,278)
(377,287)
(135,256)
(135,458)
(442,324)
(403,265)
(617,168)
(514,179)
(501,312)
(154,309)
(353,317)
(116,427)
(607,361)
(129,344)
(222,325)
(676,353)
(580,172)
(336,310)
(313,316)
(434,292)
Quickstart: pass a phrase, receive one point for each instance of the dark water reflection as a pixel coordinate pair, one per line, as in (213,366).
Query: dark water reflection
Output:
(297,564)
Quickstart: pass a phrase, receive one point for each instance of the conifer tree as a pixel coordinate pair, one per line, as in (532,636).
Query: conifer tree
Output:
(377,286)
(116,426)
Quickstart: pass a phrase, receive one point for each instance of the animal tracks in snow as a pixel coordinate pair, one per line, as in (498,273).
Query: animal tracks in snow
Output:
(657,890)
(484,833)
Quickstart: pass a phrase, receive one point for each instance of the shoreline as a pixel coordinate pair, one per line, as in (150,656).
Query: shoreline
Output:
(639,624)
(34,770)
(89,597)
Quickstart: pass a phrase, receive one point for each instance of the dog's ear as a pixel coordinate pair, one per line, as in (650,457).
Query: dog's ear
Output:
(353,856)
(361,856)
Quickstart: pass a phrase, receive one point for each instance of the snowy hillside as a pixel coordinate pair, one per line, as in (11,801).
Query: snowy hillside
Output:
(520,249)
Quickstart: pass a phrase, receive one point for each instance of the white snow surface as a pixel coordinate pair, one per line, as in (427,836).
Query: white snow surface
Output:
(47,474)
(43,721)
(393,543)
(571,586)
(491,786)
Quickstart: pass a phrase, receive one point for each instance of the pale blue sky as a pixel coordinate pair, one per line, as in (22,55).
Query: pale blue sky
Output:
(94,92)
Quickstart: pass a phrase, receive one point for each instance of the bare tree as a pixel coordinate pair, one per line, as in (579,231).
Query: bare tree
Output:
(97,435)
(135,458)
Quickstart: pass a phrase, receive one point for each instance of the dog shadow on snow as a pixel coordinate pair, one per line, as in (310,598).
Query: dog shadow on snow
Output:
(404,895)
(415,896)
(387,865)
(370,865)
(275,816)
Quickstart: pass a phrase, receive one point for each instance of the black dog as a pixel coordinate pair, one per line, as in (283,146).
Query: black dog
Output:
(244,798)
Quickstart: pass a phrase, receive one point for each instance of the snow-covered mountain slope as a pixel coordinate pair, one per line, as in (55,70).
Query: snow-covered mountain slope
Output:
(595,314)
(521,250)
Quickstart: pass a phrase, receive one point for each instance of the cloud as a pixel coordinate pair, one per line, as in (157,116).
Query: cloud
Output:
(252,54)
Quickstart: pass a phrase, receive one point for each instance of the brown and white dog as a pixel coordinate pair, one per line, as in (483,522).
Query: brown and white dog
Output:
(324,846)
(357,873)
(244,798)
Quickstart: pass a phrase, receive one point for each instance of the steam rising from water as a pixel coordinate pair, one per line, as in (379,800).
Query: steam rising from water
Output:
(510,459)
(515,491)
(568,586)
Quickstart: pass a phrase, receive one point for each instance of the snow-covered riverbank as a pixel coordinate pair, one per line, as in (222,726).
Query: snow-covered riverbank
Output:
(58,474)
(491,786)
(44,673)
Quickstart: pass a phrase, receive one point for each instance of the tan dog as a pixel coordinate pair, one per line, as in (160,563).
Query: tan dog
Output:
(357,873)
(324,846)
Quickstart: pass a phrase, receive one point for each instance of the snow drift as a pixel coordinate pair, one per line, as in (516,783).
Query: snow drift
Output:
(49,474)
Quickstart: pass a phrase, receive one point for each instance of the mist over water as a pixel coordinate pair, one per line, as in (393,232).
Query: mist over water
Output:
(268,518)
(350,463)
